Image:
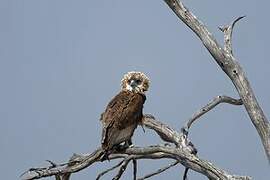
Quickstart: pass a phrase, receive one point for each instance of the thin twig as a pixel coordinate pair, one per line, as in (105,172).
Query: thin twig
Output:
(108,170)
(185,174)
(159,171)
(217,100)
(134,161)
(228,30)
(122,168)
(57,177)
(76,163)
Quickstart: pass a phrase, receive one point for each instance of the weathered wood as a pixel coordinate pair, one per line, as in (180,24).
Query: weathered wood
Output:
(216,101)
(228,63)
(182,153)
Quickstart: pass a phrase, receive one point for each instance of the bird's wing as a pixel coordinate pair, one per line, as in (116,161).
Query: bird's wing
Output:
(123,111)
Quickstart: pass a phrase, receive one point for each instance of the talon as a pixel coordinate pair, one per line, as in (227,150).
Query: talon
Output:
(131,146)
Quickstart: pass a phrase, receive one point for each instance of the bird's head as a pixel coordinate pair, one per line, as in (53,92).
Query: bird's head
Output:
(136,82)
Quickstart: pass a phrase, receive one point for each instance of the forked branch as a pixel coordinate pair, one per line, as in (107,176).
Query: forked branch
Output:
(182,153)
(228,63)
(159,171)
(217,100)
(181,150)
(228,30)
(109,170)
(123,167)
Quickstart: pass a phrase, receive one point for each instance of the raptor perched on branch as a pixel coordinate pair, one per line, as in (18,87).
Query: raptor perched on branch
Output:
(124,112)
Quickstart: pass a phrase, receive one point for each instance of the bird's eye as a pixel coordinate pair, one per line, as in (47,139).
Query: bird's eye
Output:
(138,81)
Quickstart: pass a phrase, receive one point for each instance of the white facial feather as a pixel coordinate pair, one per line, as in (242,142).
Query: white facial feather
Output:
(140,87)
(128,87)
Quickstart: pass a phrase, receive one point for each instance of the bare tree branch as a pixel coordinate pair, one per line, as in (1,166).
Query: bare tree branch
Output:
(123,168)
(230,66)
(165,132)
(182,153)
(134,161)
(228,30)
(76,163)
(151,152)
(159,171)
(108,170)
(185,174)
(168,134)
(188,160)
(213,103)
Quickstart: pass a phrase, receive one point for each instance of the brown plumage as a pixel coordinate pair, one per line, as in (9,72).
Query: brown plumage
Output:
(124,112)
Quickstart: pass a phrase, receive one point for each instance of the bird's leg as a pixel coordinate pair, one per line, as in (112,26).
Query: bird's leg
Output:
(122,147)
(128,144)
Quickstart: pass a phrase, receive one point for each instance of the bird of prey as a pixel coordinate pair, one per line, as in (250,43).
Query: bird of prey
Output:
(124,112)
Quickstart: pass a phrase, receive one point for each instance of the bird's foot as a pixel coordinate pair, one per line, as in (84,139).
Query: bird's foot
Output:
(124,146)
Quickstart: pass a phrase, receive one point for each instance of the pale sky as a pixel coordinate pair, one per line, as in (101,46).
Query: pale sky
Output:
(61,61)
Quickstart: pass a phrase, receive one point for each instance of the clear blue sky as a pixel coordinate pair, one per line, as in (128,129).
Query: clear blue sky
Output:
(61,61)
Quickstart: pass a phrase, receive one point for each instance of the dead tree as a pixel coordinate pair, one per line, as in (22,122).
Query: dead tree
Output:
(178,147)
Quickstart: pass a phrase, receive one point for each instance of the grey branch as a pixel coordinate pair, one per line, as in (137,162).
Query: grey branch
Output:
(159,171)
(123,168)
(108,170)
(134,161)
(182,153)
(217,100)
(230,66)
(165,132)
(228,30)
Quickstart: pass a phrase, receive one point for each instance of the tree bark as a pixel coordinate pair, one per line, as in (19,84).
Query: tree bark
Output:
(183,152)
(178,146)
(228,63)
